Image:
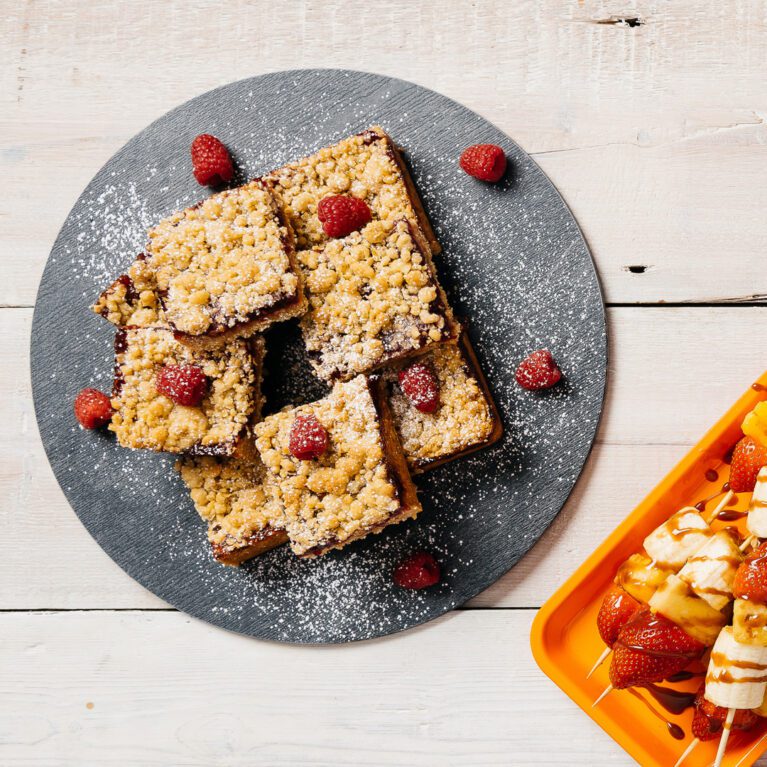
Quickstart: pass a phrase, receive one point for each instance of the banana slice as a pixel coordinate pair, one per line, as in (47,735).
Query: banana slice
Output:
(677,539)
(757,511)
(737,673)
(711,570)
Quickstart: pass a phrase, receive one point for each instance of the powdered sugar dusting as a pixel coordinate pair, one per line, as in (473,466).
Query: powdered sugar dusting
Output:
(514,263)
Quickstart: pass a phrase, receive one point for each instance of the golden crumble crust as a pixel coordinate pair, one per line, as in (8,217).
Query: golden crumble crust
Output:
(363,166)
(229,495)
(465,418)
(224,262)
(349,490)
(132,298)
(144,418)
(373,298)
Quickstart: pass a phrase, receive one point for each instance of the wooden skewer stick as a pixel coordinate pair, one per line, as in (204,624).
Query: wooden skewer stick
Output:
(693,743)
(719,507)
(725,737)
(604,694)
(600,660)
(747,543)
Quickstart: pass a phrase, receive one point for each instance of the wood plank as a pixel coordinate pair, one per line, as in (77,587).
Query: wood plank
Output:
(656,409)
(653,133)
(151,689)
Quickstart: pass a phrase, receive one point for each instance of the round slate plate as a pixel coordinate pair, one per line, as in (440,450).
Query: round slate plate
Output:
(514,262)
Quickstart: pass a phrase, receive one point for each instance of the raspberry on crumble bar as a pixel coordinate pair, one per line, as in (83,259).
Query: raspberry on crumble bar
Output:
(229,494)
(360,483)
(465,418)
(145,418)
(367,166)
(373,298)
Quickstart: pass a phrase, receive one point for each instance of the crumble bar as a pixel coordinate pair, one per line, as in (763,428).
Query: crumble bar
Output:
(358,486)
(367,165)
(132,300)
(223,268)
(144,418)
(229,494)
(373,298)
(465,420)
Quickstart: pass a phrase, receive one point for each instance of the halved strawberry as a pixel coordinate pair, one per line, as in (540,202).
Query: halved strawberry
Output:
(747,458)
(650,648)
(616,611)
(751,577)
(708,719)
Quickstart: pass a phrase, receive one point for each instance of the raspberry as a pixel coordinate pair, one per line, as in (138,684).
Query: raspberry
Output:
(341,215)
(418,571)
(538,371)
(211,163)
(420,386)
(308,438)
(183,384)
(93,409)
(487,162)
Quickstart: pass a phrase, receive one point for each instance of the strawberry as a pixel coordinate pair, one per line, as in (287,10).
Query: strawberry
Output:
(418,571)
(708,719)
(650,648)
(341,215)
(538,371)
(747,458)
(751,577)
(211,163)
(93,409)
(308,438)
(182,384)
(419,385)
(487,162)
(617,609)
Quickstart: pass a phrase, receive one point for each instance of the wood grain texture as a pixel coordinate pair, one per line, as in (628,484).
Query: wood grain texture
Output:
(158,689)
(659,403)
(653,133)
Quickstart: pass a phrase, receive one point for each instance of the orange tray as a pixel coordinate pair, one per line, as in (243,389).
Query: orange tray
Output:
(564,636)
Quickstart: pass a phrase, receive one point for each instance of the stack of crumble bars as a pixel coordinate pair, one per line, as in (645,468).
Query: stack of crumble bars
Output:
(217,274)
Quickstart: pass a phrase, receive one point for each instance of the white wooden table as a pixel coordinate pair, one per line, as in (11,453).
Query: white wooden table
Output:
(654,132)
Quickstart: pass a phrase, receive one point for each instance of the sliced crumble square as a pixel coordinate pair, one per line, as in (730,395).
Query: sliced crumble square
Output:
(358,486)
(244,521)
(373,298)
(144,418)
(222,269)
(465,420)
(132,300)
(368,166)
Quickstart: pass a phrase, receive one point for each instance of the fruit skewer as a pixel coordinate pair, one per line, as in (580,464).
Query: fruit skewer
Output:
(669,547)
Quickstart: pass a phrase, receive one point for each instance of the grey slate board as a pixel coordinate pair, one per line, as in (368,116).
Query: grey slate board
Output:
(514,262)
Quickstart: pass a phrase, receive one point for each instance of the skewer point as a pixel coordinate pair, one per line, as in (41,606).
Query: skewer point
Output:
(693,743)
(600,660)
(604,694)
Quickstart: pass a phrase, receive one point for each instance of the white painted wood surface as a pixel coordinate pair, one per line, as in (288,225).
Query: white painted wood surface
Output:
(655,134)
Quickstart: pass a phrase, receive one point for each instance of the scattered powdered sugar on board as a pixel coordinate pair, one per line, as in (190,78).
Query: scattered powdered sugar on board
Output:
(514,263)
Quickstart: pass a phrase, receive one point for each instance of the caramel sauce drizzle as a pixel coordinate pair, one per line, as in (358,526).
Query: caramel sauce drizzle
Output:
(674,730)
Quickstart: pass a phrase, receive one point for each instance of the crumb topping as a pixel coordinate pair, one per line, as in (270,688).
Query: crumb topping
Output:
(132,298)
(361,166)
(229,494)
(144,418)
(462,420)
(373,297)
(344,493)
(221,262)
